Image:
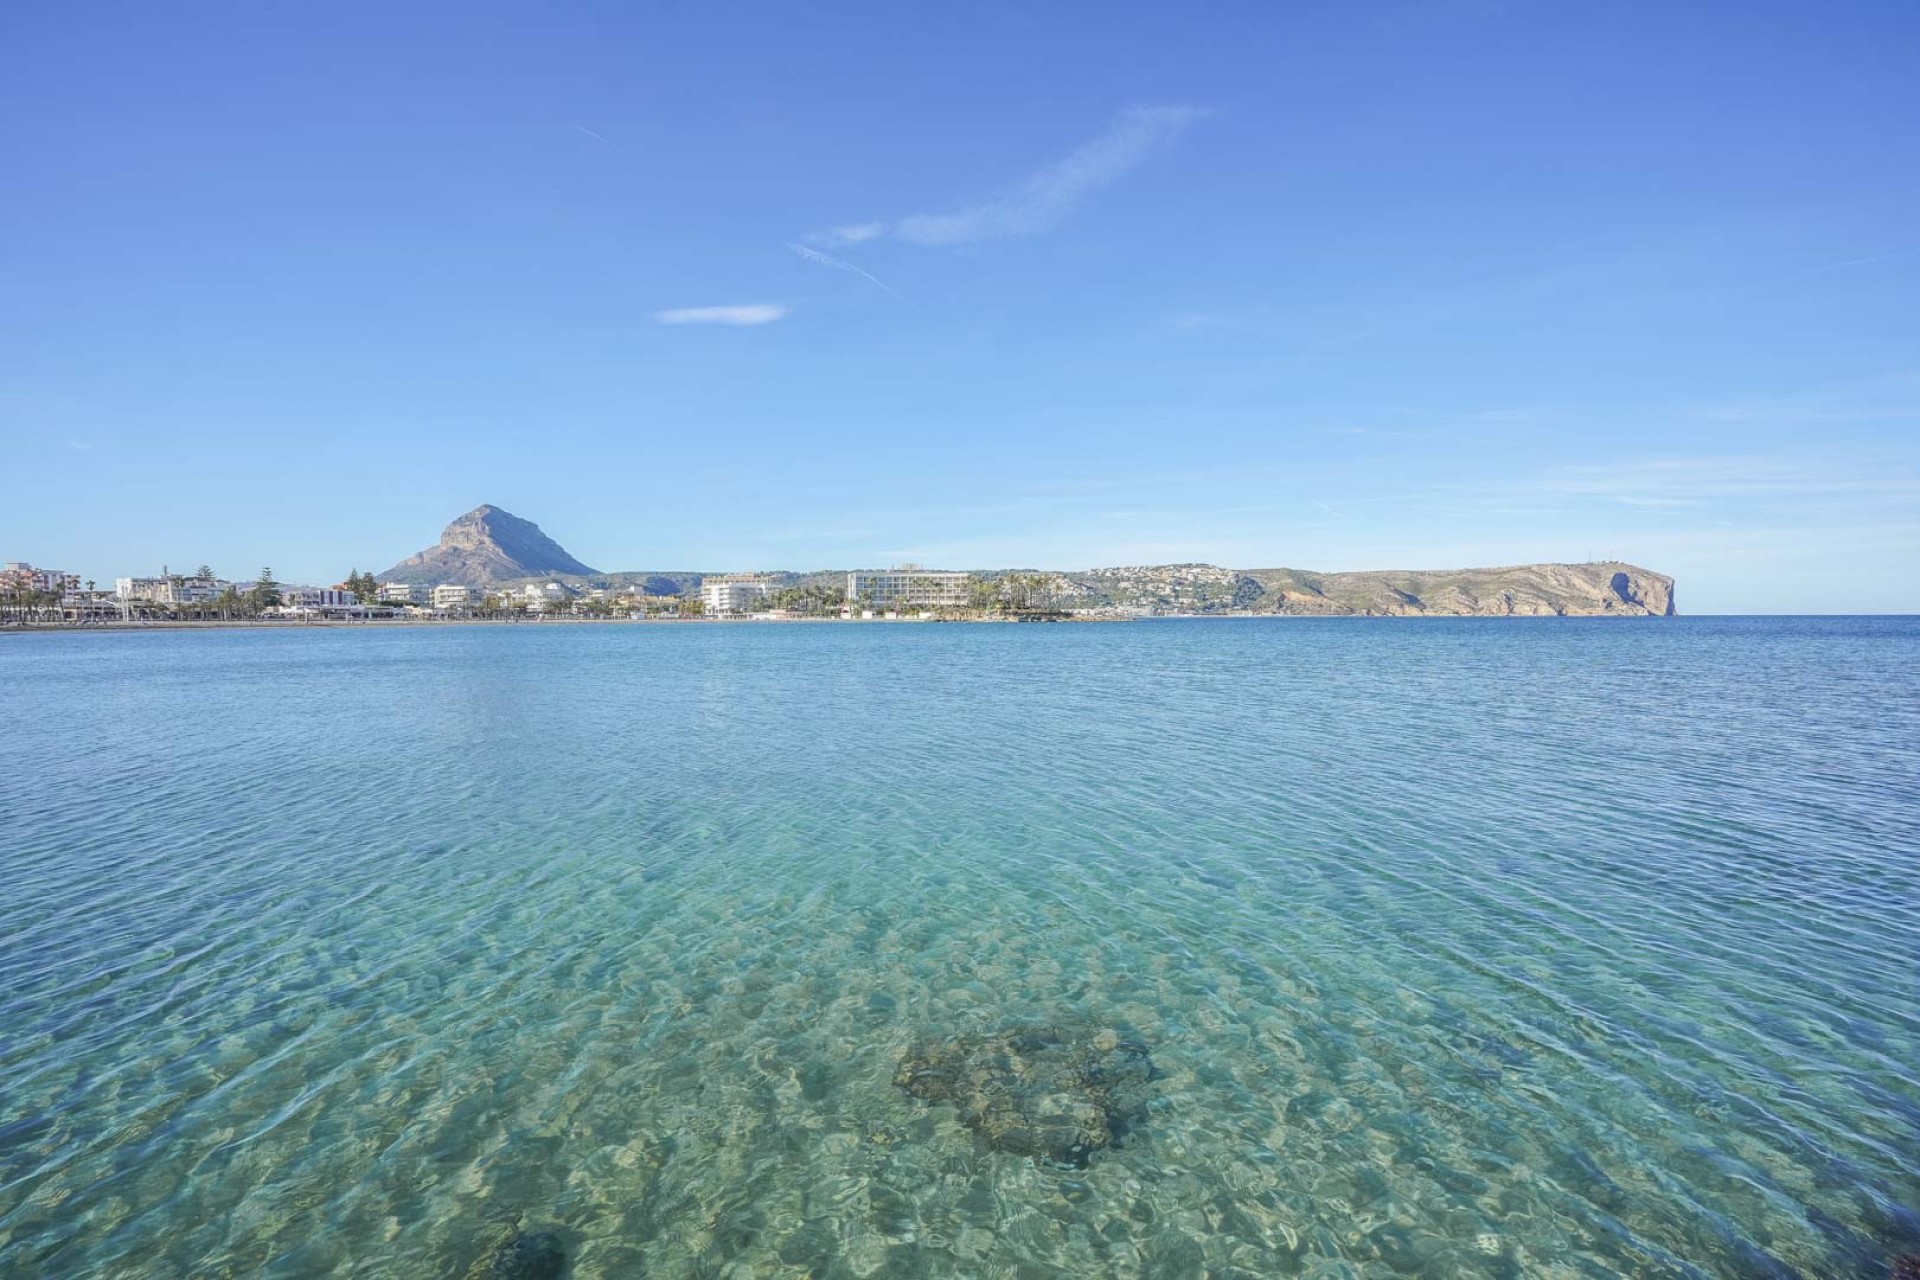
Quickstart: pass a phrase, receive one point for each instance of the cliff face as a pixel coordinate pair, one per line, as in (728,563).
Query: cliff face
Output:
(1543,590)
(486,547)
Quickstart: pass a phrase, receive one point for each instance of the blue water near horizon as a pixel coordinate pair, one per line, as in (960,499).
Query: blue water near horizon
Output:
(1568,948)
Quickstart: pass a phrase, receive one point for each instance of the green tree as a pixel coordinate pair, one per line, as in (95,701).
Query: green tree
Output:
(265,593)
(364,588)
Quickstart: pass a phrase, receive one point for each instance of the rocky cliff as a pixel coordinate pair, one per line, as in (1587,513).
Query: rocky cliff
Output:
(487,547)
(1528,590)
(1543,590)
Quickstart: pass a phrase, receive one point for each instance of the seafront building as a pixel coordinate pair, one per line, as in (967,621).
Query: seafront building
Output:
(402,593)
(725,594)
(170,588)
(317,599)
(19,576)
(907,586)
(451,595)
(541,596)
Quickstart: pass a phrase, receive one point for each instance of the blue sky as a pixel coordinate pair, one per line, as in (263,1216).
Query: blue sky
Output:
(1337,286)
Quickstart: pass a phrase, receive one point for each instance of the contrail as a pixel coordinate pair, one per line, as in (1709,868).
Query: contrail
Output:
(838,264)
(591,134)
(1821,270)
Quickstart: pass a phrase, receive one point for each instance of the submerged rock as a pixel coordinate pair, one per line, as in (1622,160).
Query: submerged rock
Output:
(1907,1267)
(1056,1093)
(531,1255)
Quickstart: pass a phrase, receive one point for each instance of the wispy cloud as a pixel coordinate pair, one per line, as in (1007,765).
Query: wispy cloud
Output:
(1377,433)
(590,133)
(840,264)
(748,313)
(1045,198)
(1716,481)
(1825,268)
(854,233)
(1042,200)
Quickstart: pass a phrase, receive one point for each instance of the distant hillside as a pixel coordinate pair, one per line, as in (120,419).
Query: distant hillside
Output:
(1518,590)
(1530,590)
(487,547)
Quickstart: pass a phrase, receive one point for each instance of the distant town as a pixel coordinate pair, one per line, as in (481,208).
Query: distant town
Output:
(491,565)
(30,594)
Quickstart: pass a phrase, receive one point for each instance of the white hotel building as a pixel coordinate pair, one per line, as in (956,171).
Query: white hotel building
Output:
(907,586)
(730,593)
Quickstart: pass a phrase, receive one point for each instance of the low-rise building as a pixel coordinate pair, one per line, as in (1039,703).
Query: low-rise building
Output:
(451,595)
(402,593)
(725,594)
(170,588)
(543,597)
(907,586)
(317,598)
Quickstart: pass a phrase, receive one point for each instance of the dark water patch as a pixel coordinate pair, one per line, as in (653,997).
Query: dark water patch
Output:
(1057,1093)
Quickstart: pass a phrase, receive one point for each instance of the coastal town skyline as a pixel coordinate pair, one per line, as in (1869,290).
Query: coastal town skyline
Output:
(490,562)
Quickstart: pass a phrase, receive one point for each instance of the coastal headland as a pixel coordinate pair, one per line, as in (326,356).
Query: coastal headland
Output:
(491,565)
(488,549)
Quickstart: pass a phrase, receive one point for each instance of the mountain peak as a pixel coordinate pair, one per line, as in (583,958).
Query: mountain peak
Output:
(487,546)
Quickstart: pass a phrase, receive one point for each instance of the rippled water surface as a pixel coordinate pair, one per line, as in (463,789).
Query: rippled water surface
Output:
(1461,948)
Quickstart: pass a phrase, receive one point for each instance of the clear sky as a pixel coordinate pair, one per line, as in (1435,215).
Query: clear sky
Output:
(1328,285)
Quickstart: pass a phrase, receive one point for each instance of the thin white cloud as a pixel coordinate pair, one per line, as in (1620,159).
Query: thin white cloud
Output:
(590,133)
(1716,481)
(852,233)
(840,264)
(1376,433)
(749,313)
(1044,199)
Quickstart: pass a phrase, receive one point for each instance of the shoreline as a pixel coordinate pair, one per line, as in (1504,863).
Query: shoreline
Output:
(319,624)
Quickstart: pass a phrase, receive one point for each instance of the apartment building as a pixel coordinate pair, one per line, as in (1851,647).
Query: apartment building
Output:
(317,598)
(21,576)
(170,589)
(907,586)
(731,593)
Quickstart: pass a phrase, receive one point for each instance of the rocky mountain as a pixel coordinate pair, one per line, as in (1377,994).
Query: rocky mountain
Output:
(487,547)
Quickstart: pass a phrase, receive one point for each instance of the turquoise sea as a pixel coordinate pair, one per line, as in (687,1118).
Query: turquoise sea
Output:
(1465,948)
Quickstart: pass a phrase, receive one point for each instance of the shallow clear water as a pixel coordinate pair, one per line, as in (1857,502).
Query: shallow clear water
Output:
(1580,948)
